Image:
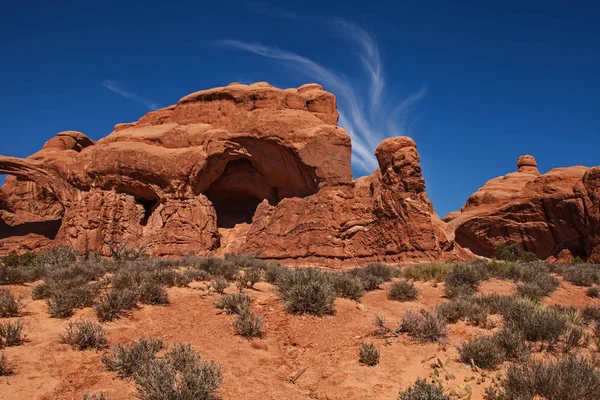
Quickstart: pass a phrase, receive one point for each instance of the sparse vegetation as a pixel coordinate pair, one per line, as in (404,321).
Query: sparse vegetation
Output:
(83,335)
(126,360)
(115,303)
(11,333)
(435,272)
(483,351)
(307,290)
(96,396)
(236,303)
(467,308)
(464,279)
(181,375)
(424,326)
(593,292)
(369,355)
(10,306)
(423,390)
(153,293)
(220,284)
(514,252)
(403,291)
(347,286)
(5,367)
(249,325)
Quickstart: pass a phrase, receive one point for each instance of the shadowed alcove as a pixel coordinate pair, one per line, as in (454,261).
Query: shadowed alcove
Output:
(267,171)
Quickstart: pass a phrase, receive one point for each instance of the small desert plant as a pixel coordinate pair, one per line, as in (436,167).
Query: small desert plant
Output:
(10,306)
(464,279)
(181,375)
(126,360)
(424,326)
(369,355)
(273,271)
(11,333)
(347,286)
(574,338)
(96,396)
(253,275)
(64,299)
(13,259)
(115,303)
(566,378)
(596,335)
(483,351)
(5,367)
(373,274)
(249,325)
(593,292)
(463,308)
(537,323)
(153,293)
(219,284)
(216,266)
(590,313)
(307,290)
(381,270)
(381,327)
(538,286)
(512,343)
(84,334)
(509,252)
(236,303)
(581,275)
(403,291)
(436,272)
(423,390)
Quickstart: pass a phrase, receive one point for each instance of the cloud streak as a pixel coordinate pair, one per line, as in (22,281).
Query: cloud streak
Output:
(115,87)
(368,115)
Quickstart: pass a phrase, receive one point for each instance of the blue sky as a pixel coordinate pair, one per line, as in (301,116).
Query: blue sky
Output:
(475,84)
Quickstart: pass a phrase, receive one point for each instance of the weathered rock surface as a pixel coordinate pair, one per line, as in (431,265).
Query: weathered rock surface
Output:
(551,215)
(269,164)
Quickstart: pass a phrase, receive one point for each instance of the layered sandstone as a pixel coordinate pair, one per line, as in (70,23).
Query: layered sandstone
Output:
(550,214)
(270,164)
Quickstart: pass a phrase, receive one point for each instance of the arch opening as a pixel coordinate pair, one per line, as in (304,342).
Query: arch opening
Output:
(149,206)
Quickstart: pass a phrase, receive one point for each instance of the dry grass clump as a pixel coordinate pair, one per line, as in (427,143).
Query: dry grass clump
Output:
(483,351)
(64,299)
(10,306)
(593,292)
(570,377)
(11,333)
(373,274)
(96,396)
(236,303)
(307,290)
(580,274)
(115,303)
(368,354)
(249,325)
(464,308)
(219,284)
(536,322)
(181,375)
(347,286)
(424,326)
(84,334)
(403,291)
(423,390)
(464,279)
(5,367)
(126,360)
(435,271)
(153,293)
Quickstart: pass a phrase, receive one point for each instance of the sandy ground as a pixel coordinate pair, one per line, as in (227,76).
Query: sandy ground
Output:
(259,369)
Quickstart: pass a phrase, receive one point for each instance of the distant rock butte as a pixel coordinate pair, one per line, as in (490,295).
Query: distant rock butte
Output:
(555,215)
(252,169)
(247,169)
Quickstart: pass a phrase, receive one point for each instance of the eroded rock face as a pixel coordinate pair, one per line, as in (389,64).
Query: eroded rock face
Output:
(269,164)
(549,214)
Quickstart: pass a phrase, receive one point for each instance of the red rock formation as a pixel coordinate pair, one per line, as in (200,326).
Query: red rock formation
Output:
(546,214)
(182,177)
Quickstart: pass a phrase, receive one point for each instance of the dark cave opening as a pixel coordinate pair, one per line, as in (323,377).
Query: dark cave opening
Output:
(149,207)
(233,208)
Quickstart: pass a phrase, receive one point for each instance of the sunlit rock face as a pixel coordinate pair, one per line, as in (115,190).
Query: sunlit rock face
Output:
(553,215)
(244,169)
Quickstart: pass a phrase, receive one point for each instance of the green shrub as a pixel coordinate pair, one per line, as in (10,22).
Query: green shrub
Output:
(539,287)
(63,300)
(273,271)
(424,326)
(483,351)
(181,375)
(581,274)
(403,291)
(12,276)
(5,367)
(307,290)
(537,323)
(368,280)
(220,284)
(249,325)
(215,266)
(513,343)
(83,334)
(13,259)
(347,286)
(368,354)
(574,338)
(126,360)
(593,292)
(236,303)
(10,306)
(57,257)
(11,333)
(566,378)
(509,252)
(380,270)
(423,390)
(252,276)
(153,293)
(115,303)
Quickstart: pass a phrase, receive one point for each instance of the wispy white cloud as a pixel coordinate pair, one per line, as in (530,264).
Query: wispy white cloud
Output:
(116,87)
(368,117)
